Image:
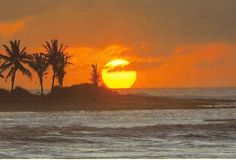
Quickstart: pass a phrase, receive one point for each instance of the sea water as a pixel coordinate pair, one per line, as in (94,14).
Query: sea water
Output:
(192,133)
(205,93)
(198,133)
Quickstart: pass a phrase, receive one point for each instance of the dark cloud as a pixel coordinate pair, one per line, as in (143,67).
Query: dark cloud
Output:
(136,65)
(144,64)
(177,21)
(11,10)
(162,24)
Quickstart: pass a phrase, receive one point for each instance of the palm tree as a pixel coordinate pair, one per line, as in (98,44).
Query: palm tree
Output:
(95,75)
(63,62)
(40,65)
(14,60)
(1,76)
(53,52)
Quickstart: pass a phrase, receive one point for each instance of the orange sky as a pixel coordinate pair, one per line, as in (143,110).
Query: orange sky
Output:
(185,43)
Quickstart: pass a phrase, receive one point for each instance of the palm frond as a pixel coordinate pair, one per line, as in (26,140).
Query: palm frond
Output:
(17,42)
(5,65)
(15,47)
(24,71)
(48,47)
(15,60)
(8,50)
(26,58)
(23,50)
(11,73)
(54,44)
(39,64)
(4,57)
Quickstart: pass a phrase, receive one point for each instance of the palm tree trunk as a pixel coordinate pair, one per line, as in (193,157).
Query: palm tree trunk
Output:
(62,83)
(13,82)
(41,85)
(53,79)
(60,79)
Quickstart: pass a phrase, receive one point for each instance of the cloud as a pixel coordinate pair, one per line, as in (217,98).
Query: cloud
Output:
(85,56)
(10,28)
(162,24)
(205,65)
(89,55)
(145,64)
(11,10)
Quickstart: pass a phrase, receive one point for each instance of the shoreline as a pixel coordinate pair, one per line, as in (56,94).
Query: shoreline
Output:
(117,103)
(86,97)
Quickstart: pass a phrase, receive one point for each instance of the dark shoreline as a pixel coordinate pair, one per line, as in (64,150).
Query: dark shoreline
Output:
(89,98)
(124,102)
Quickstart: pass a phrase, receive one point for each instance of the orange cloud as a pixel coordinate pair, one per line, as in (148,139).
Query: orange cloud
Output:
(10,28)
(87,55)
(195,65)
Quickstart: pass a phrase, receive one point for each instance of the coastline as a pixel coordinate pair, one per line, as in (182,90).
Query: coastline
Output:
(89,98)
(125,102)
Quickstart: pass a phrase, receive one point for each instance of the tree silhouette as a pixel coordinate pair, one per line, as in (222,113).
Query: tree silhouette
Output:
(40,65)
(1,76)
(62,63)
(14,60)
(95,75)
(54,50)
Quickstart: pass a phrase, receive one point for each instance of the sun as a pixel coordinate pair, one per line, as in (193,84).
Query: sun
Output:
(114,75)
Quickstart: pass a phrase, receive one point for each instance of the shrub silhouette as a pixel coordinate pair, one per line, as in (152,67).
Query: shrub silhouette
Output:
(95,75)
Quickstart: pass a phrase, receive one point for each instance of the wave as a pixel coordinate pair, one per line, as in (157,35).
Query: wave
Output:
(55,130)
(76,140)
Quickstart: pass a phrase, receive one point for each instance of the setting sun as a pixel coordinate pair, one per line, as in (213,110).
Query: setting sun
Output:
(114,75)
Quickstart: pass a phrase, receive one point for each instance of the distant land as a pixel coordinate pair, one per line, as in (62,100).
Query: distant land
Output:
(88,97)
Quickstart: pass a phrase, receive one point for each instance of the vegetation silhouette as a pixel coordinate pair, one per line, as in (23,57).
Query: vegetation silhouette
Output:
(63,61)
(88,97)
(95,75)
(39,64)
(54,53)
(15,60)
(1,76)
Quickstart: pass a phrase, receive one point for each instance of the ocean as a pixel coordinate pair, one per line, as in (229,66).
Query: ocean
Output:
(192,133)
(205,93)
